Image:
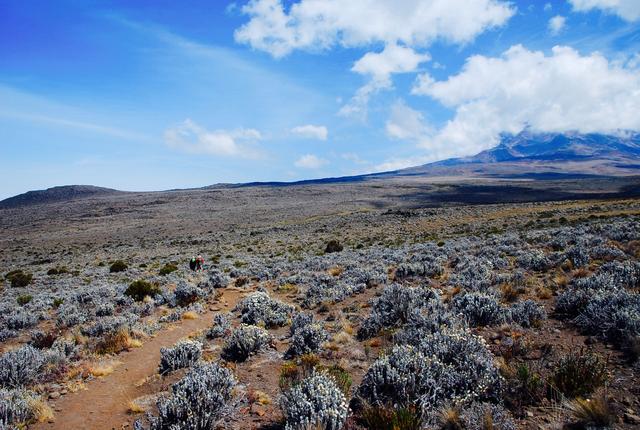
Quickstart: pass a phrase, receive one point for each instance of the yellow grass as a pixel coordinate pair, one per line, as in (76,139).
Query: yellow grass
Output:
(190,315)
(102,369)
(134,407)
(41,410)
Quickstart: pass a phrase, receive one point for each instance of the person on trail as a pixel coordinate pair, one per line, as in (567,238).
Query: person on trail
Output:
(199,262)
(192,263)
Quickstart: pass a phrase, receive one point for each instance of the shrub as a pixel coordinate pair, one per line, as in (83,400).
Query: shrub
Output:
(527,313)
(245,341)
(393,308)
(57,302)
(187,294)
(614,316)
(221,326)
(479,309)
(168,268)
(42,340)
(18,278)
(140,289)
(333,246)
(259,308)
(21,319)
(183,354)
(199,401)
(316,402)
(20,367)
(578,374)
(300,320)
(452,366)
(118,266)
(484,416)
(16,407)
(392,418)
(307,339)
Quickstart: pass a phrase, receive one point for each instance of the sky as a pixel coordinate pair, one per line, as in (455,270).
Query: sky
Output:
(159,94)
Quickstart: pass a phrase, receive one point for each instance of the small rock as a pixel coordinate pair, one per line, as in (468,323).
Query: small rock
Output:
(529,414)
(259,410)
(534,355)
(54,395)
(495,335)
(631,418)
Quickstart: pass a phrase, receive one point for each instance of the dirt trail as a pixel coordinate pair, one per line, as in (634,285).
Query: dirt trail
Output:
(103,405)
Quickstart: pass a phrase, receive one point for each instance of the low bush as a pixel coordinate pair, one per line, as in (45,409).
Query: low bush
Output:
(578,374)
(451,366)
(479,309)
(168,268)
(316,402)
(259,308)
(307,339)
(333,246)
(23,299)
(221,326)
(183,354)
(20,367)
(140,289)
(18,278)
(391,418)
(118,266)
(199,401)
(245,341)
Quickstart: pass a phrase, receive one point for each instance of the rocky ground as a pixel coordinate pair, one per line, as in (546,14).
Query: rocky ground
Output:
(375,305)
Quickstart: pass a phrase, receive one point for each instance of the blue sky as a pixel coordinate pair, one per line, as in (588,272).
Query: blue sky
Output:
(151,95)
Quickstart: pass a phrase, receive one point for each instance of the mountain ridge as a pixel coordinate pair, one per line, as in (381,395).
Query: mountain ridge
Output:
(526,155)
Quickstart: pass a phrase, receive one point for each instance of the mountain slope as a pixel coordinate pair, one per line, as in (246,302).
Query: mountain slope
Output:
(55,194)
(545,155)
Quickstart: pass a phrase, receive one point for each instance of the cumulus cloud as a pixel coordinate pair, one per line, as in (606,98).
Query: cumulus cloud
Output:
(322,24)
(310,131)
(560,92)
(557,24)
(191,138)
(400,26)
(405,123)
(378,67)
(628,10)
(310,161)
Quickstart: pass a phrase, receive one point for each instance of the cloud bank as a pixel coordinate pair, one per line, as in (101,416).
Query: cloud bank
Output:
(564,91)
(191,138)
(310,131)
(629,10)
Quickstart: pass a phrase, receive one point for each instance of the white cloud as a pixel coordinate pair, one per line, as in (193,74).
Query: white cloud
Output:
(628,10)
(322,24)
(354,158)
(310,131)
(194,139)
(560,92)
(405,123)
(547,7)
(400,26)
(379,66)
(557,24)
(310,161)
(402,163)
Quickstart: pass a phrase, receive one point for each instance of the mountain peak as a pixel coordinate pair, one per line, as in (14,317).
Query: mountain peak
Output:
(55,194)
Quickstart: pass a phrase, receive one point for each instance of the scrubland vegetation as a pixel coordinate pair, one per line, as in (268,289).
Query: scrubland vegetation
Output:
(517,326)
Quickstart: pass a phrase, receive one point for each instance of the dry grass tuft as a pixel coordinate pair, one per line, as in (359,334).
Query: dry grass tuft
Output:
(134,407)
(114,343)
(190,315)
(102,369)
(336,271)
(259,397)
(591,413)
(41,410)
(509,293)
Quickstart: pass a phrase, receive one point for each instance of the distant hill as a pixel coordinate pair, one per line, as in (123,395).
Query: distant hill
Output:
(526,155)
(55,194)
(545,155)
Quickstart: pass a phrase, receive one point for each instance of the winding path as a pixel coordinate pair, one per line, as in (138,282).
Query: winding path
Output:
(103,404)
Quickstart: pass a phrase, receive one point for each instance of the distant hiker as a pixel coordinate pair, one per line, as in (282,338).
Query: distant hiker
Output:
(192,263)
(199,262)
